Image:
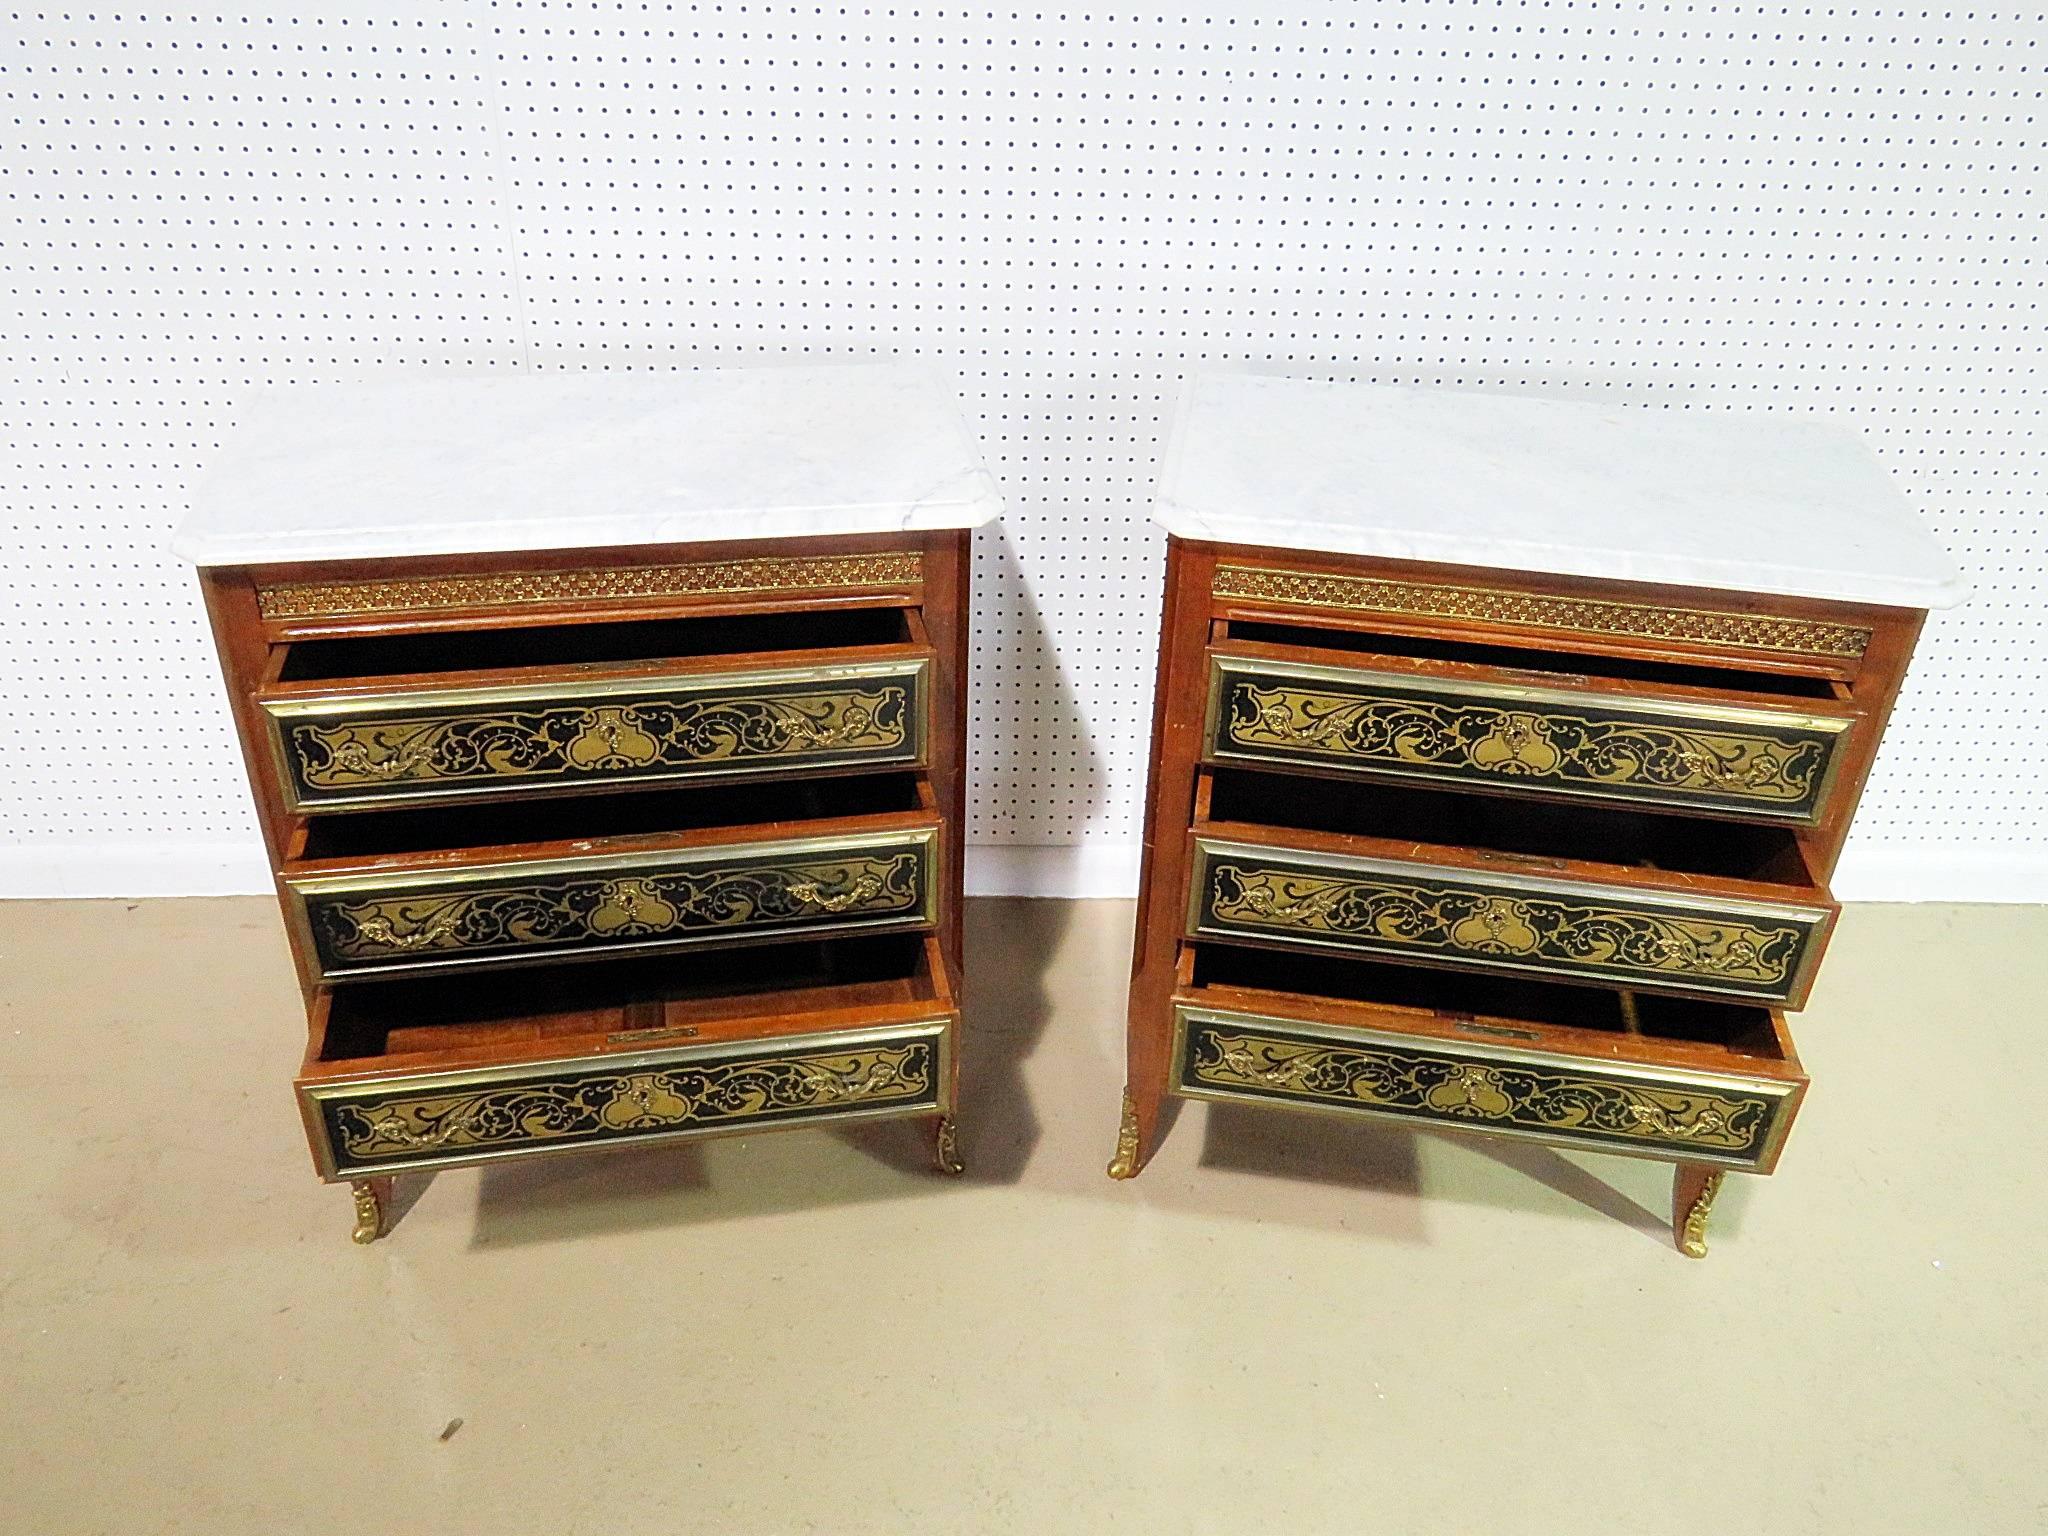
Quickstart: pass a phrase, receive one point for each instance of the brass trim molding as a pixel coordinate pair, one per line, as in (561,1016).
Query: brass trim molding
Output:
(1536,610)
(1480,921)
(1776,764)
(436,1120)
(1533,1095)
(509,914)
(360,751)
(775,573)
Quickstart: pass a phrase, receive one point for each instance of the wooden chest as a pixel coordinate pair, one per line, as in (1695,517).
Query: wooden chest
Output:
(594,844)
(1536,852)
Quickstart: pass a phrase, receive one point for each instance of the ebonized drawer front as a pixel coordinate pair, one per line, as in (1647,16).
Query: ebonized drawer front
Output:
(353,750)
(1480,920)
(532,911)
(1745,760)
(1648,1110)
(481,1114)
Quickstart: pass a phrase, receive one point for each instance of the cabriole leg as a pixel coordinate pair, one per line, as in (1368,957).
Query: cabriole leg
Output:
(1692,1199)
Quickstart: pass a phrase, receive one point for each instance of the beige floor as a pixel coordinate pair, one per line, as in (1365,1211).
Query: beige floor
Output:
(1284,1326)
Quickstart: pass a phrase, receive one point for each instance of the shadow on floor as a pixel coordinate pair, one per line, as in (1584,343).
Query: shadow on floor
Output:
(684,1184)
(1317,1150)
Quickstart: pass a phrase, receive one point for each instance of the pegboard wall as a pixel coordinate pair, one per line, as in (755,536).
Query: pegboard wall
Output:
(1821,208)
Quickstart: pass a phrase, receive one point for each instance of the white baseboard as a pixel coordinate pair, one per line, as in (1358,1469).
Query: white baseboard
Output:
(88,869)
(1920,872)
(1076,870)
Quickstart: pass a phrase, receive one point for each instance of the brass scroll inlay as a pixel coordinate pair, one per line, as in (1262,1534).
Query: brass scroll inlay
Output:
(575,740)
(1515,929)
(1536,610)
(666,1098)
(1534,743)
(346,599)
(1506,1095)
(597,910)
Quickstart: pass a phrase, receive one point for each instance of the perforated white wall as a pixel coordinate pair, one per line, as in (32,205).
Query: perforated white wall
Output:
(1747,207)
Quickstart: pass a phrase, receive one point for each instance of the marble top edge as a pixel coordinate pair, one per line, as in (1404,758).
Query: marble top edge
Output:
(471,463)
(1780,505)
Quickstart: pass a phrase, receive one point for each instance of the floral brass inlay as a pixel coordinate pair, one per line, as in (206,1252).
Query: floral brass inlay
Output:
(1501,1094)
(602,909)
(1748,631)
(664,1098)
(343,599)
(1396,732)
(1525,931)
(570,740)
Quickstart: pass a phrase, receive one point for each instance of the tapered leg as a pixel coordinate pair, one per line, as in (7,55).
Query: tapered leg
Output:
(1692,1199)
(373,1204)
(946,1147)
(1162,871)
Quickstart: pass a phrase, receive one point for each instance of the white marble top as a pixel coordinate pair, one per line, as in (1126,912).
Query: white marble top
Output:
(1743,503)
(469,463)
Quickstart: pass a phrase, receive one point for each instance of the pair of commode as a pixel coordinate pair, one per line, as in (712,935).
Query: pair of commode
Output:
(607,735)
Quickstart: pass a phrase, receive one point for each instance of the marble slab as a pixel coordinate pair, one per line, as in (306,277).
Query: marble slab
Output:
(1748,503)
(444,464)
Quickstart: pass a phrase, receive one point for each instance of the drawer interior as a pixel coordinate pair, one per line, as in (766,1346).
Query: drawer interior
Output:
(1527,830)
(586,817)
(771,989)
(1567,666)
(1507,1010)
(751,634)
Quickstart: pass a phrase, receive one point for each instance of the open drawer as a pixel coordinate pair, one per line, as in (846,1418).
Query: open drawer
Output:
(1690,1081)
(420,892)
(436,1074)
(368,723)
(1438,879)
(1759,746)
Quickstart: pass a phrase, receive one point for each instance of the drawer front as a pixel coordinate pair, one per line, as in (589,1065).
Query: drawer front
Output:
(356,752)
(480,1115)
(554,909)
(1652,1111)
(1747,761)
(1508,922)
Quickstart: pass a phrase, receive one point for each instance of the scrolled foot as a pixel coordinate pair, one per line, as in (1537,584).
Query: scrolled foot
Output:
(946,1147)
(1693,1192)
(1123,1164)
(370,1197)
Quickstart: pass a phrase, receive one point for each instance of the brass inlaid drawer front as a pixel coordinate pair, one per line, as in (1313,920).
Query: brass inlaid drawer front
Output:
(1478,921)
(1538,610)
(1515,1091)
(369,925)
(351,753)
(1752,762)
(481,1115)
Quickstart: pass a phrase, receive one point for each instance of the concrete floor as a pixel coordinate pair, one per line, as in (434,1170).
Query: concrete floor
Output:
(1286,1325)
